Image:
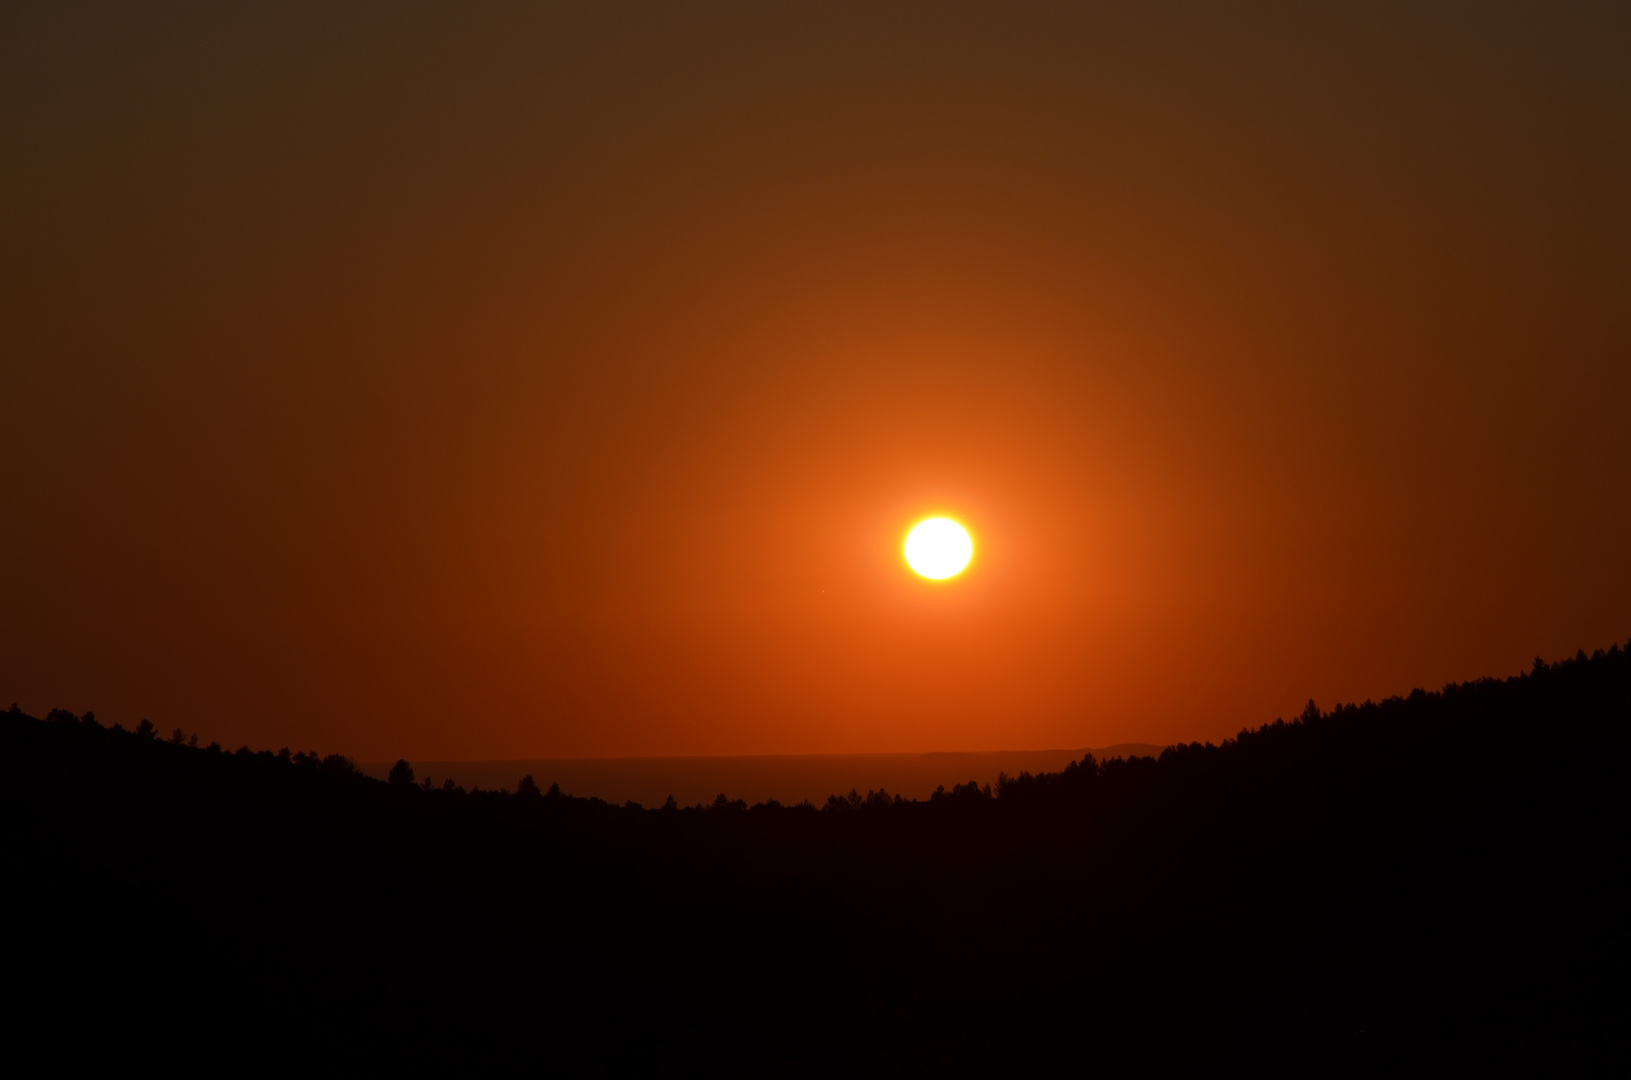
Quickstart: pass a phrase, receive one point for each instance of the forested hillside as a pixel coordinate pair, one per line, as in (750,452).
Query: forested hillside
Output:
(1439,870)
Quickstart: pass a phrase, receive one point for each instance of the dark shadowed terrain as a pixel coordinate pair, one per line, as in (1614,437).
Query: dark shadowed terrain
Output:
(788,778)
(1305,896)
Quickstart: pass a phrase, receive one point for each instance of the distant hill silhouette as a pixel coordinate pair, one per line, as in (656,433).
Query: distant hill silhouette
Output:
(1305,895)
(789,778)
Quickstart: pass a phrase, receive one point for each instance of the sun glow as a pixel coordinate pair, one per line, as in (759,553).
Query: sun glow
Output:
(938,548)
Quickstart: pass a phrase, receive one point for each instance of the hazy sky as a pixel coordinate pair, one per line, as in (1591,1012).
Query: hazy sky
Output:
(485,380)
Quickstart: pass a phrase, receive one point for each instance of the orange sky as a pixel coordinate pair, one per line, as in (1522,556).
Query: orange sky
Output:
(457,384)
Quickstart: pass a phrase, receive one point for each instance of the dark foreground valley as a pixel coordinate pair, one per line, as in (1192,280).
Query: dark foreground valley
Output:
(1438,877)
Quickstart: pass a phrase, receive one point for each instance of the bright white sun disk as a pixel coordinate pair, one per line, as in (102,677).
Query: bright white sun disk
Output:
(938,548)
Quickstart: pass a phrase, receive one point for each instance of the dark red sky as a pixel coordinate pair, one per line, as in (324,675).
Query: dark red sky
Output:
(467,381)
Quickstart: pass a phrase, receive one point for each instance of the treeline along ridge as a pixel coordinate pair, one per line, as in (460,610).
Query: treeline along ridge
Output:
(1441,870)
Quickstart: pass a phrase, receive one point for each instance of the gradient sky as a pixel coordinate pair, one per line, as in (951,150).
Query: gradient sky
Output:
(490,380)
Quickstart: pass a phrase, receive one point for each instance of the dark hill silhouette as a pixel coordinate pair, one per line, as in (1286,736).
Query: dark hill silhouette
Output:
(789,778)
(1305,894)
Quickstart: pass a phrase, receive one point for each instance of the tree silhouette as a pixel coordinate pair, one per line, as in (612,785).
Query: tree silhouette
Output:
(1336,888)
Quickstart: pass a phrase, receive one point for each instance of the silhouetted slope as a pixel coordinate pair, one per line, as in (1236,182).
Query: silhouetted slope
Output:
(1305,886)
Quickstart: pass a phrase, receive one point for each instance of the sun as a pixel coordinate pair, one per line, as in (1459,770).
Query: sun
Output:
(938,548)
